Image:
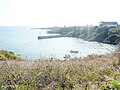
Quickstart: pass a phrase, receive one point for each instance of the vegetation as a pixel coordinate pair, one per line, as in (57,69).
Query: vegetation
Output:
(83,32)
(5,55)
(91,73)
(110,35)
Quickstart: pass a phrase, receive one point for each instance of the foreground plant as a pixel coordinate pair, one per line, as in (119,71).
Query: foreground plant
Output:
(112,85)
(91,73)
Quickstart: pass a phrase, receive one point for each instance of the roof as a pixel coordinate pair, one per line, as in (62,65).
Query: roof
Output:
(109,23)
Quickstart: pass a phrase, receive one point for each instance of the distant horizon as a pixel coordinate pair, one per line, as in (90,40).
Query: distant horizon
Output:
(55,25)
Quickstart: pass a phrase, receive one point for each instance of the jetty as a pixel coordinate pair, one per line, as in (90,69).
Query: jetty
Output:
(52,36)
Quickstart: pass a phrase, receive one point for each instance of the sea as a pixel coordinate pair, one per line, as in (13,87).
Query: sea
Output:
(24,41)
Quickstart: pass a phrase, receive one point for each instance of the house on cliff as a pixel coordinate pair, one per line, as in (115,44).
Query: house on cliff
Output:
(108,24)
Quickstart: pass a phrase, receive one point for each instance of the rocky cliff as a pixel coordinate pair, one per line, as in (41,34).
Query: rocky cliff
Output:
(91,33)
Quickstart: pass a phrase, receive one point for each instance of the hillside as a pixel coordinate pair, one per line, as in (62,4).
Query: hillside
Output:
(91,33)
(91,73)
(107,35)
(5,55)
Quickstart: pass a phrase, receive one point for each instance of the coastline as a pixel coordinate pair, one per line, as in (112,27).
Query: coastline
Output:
(108,35)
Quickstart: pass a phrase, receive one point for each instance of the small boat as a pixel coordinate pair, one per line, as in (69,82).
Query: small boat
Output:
(72,51)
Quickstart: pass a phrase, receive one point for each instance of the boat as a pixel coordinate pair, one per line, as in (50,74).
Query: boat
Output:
(72,51)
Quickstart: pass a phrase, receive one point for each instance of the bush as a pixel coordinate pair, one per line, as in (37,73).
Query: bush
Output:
(113,85)
(2,57)
(8,55)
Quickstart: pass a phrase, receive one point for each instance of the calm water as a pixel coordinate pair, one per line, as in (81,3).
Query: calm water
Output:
(23,41)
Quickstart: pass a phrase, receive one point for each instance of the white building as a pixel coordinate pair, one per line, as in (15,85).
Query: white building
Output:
(108,24)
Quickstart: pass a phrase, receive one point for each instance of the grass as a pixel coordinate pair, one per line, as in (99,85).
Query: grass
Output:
(5,55)
(94,72)
(91,73)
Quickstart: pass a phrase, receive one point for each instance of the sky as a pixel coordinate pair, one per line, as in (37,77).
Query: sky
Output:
(45,13)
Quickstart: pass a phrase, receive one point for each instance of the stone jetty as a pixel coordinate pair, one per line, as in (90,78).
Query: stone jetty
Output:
(48,37)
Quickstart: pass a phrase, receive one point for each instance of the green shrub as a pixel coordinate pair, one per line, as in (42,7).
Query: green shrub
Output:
(113,85)
(2,57)
(8,55)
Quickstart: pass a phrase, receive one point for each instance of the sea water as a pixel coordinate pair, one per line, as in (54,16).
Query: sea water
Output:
(24,41)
